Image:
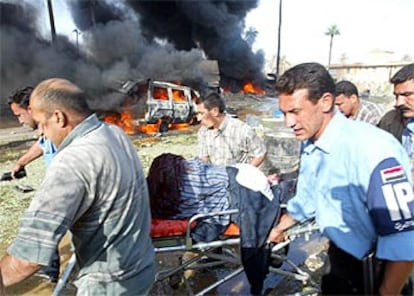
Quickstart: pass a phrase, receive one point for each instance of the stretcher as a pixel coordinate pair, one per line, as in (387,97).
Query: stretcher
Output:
(204,254)
(228,243)
(174,237)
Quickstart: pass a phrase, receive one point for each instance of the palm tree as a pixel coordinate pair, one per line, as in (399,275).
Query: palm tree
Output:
(251,35)
(332,31)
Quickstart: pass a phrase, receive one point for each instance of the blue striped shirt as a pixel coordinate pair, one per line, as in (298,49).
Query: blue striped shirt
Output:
(203,189)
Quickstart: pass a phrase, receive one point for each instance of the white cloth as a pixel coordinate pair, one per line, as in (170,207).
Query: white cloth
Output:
(254,179)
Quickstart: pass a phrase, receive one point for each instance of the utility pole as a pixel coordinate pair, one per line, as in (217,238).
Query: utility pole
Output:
(77,37)
(52,20)
(92,7)
(278,39)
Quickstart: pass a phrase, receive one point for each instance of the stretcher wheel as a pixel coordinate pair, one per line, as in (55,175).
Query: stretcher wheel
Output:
(175,281)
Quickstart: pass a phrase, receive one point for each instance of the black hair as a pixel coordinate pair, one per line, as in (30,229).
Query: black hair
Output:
(212,100)
(346,88)
(404,74)
(21,97)
(164,182)
(311,76)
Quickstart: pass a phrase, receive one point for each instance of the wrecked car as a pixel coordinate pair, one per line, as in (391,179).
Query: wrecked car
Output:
(157,103)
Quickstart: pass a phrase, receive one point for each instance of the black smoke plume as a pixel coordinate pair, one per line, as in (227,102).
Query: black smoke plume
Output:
(121,40)
(214,26)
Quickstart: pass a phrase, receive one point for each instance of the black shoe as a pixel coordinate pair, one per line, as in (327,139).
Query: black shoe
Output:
(49,276)
(51,272)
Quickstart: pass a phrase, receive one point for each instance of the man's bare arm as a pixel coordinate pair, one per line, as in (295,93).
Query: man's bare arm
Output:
(2,291)
(277,234)
(395,276)
(14,270)
(33,153)
(205,159)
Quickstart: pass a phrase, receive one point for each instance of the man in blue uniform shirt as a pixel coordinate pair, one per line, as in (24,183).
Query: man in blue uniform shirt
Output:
(19,105)
(361,197)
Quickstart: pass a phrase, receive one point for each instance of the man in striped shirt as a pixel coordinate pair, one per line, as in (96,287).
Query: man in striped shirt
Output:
(224,140)
(347,101)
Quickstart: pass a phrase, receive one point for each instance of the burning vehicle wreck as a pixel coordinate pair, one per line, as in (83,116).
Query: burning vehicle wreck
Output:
(151,106)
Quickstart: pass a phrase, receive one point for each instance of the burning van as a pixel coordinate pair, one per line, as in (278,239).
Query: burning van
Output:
(156,106)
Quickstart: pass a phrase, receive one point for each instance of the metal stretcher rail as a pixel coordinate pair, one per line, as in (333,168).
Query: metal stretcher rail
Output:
(303,229)
(205,250)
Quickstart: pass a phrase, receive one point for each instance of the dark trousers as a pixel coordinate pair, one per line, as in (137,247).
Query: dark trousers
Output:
(346,275)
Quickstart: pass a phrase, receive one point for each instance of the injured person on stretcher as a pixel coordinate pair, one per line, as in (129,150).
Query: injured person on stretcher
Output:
(181,188)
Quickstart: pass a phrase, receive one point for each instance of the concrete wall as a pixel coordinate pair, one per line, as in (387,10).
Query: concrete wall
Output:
(372,77)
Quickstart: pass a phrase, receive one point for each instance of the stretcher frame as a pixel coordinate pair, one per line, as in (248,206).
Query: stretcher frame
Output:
(206,250)
(207,258)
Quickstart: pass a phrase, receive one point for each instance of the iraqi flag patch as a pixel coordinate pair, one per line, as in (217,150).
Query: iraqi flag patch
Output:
(392,174)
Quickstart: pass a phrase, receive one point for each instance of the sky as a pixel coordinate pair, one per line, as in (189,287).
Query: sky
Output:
(364,25)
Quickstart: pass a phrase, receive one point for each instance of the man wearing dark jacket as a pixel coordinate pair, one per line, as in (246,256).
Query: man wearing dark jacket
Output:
(400,121)
(393,122)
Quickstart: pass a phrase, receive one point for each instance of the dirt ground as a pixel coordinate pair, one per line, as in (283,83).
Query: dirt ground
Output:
(14,141)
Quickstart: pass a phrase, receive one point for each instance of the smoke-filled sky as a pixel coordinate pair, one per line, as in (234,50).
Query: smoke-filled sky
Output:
(125,39)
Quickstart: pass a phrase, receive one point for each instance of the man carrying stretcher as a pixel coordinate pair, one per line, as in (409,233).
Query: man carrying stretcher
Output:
(362,199)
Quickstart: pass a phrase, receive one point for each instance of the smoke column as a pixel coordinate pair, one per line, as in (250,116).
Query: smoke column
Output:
(214,26)
(121,40)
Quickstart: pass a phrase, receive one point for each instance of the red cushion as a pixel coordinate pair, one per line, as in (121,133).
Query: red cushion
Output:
(165,228)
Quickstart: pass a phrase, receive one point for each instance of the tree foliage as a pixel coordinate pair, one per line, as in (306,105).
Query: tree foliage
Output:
(250,35)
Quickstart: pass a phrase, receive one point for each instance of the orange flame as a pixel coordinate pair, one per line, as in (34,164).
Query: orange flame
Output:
(160,93)
(149,128)
(178,96)
(153,128)
(249,87)
(123,120)
(180,126)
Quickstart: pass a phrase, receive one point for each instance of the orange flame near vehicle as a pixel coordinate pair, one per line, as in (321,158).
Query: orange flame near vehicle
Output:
(153,128)
(126,122)
(123,120)
(150,128)
(178,96)
(249,87)
(160,93)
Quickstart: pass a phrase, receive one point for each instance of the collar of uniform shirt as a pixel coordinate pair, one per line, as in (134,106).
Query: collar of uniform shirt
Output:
(329,136)
(410,125)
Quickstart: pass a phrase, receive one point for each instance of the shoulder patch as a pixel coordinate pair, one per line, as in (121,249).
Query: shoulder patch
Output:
(392,174)
(390,198)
